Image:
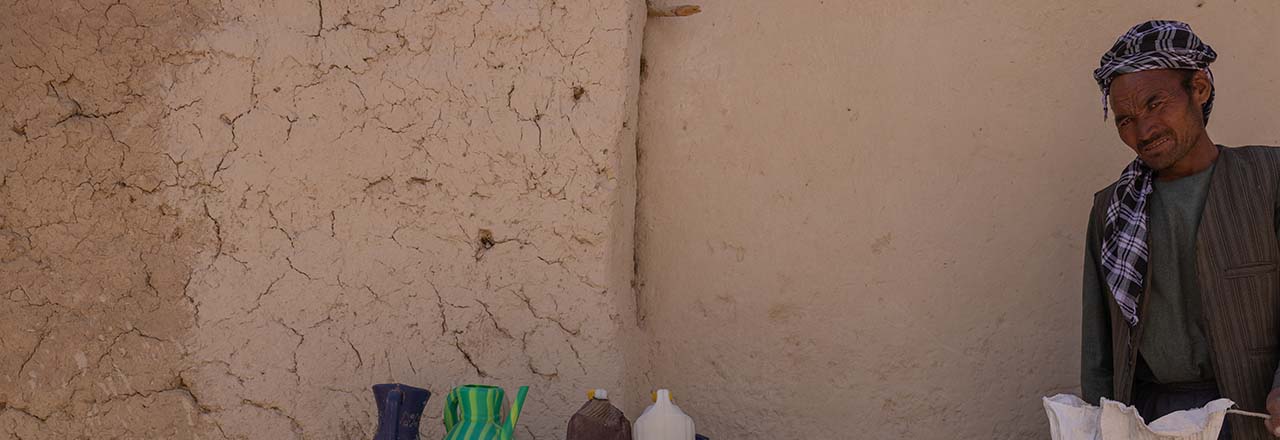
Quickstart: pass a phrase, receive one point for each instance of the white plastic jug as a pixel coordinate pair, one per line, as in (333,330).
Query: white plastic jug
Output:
(663,421)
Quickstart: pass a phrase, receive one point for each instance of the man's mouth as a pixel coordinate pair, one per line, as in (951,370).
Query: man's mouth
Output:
(1154,145)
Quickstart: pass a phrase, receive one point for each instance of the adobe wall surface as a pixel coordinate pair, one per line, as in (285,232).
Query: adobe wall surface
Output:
(865,219)
(228,220)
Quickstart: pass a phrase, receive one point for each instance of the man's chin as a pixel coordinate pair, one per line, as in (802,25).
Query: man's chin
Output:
(1157,162)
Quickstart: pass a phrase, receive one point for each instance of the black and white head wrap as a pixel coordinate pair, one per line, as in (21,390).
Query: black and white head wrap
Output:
(1157,44)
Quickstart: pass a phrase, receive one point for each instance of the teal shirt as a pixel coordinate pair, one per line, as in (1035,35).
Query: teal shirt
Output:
(1174,342)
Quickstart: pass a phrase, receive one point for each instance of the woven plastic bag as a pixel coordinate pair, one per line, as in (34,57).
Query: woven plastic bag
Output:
(1071,418)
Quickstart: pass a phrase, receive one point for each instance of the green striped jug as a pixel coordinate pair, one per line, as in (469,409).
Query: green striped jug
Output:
(474,412)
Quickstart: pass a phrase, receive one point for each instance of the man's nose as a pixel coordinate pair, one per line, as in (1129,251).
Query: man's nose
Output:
(1148,129)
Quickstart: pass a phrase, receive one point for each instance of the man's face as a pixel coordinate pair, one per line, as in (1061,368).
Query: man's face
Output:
(1156,116)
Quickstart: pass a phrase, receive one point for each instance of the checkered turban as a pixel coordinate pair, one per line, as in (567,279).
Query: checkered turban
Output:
(1156,44)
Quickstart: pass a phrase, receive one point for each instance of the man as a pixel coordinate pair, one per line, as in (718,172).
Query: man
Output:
(1181,286)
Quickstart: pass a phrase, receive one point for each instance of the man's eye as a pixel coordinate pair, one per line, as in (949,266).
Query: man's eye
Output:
(1154,105)
(1123,122)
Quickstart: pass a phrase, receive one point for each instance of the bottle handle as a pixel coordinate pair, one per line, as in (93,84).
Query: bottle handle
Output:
(514,414)
(451,410)
(391,419)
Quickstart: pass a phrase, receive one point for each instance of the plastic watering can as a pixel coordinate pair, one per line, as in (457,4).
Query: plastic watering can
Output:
(474,412)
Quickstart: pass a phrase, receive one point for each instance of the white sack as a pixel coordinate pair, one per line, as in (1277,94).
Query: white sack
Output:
(1071,418)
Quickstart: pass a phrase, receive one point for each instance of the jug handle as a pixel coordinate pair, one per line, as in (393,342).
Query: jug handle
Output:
(509,428)
(451,410)
(391,418)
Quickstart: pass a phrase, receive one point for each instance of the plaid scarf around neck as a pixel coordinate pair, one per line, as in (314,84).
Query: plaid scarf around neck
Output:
(1124,238)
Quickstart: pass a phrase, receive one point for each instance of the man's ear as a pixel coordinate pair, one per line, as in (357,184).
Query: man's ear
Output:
(1201,87)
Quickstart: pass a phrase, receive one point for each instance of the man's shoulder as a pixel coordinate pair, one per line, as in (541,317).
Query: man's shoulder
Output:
(1265,152)
(1103,196)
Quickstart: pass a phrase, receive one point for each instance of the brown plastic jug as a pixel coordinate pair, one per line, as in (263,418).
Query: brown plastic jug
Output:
(599,420)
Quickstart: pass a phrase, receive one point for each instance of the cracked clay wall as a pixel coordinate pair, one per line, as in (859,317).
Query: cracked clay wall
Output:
(228,219)
(864,220)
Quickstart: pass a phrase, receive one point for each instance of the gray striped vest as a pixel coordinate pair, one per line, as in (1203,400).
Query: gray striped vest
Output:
(1236,260)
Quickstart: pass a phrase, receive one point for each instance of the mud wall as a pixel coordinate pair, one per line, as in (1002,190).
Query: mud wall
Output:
(865,219)
(228,220)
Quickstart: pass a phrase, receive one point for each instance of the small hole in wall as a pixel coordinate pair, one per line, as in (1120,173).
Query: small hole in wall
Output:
(578,91)
(486,239)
